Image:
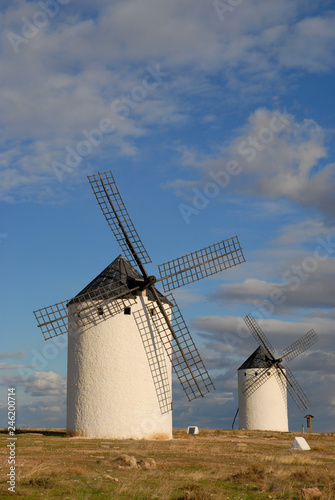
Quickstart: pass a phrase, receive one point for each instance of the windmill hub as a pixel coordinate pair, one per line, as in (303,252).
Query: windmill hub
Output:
(144,283)
(151,280)
(276,362)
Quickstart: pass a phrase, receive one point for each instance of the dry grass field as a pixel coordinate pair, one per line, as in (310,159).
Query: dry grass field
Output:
(216,464)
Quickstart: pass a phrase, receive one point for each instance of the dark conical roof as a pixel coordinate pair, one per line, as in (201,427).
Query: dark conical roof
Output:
(120,272)
(258,359)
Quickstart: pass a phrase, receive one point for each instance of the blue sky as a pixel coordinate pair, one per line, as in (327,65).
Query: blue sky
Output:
(217,119)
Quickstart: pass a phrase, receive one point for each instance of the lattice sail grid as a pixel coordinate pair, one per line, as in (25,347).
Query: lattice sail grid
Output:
(156,355)
(258,333)
(183,354)
(200,264)
(300,345)
(116,214)
(83,311)
(254,382)
(296,392)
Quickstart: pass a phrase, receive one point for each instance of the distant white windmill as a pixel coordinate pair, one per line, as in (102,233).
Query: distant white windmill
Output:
(119,382)
(263,383)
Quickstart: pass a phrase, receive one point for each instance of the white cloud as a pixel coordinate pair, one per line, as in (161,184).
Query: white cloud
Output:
(11,366)
(307,230)
(287,162)
(306,284)
(277,157)
(301,263)
(14,354)
(46,412)
(45,384)
(68,74)
(40,383)
(186,297)
(310,44)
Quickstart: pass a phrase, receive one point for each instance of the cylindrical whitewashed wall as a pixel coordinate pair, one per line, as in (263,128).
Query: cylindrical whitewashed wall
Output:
(266,408)
(110,387)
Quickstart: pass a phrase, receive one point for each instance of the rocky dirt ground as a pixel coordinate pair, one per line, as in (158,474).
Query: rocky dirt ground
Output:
(216,464)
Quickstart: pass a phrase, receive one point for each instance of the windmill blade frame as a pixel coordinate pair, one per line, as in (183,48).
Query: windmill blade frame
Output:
(295,390)
(181,350)
(258,334)
(280,381)
(155,352)
(252,384)
(292,385)
(116,214)
(201,264)
(96,306)
(299,346)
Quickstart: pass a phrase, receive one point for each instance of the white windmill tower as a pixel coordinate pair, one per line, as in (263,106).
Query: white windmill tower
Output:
(124,335)
(118,382)
(263,383)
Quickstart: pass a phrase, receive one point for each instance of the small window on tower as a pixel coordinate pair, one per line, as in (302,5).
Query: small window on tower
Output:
(127,310)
